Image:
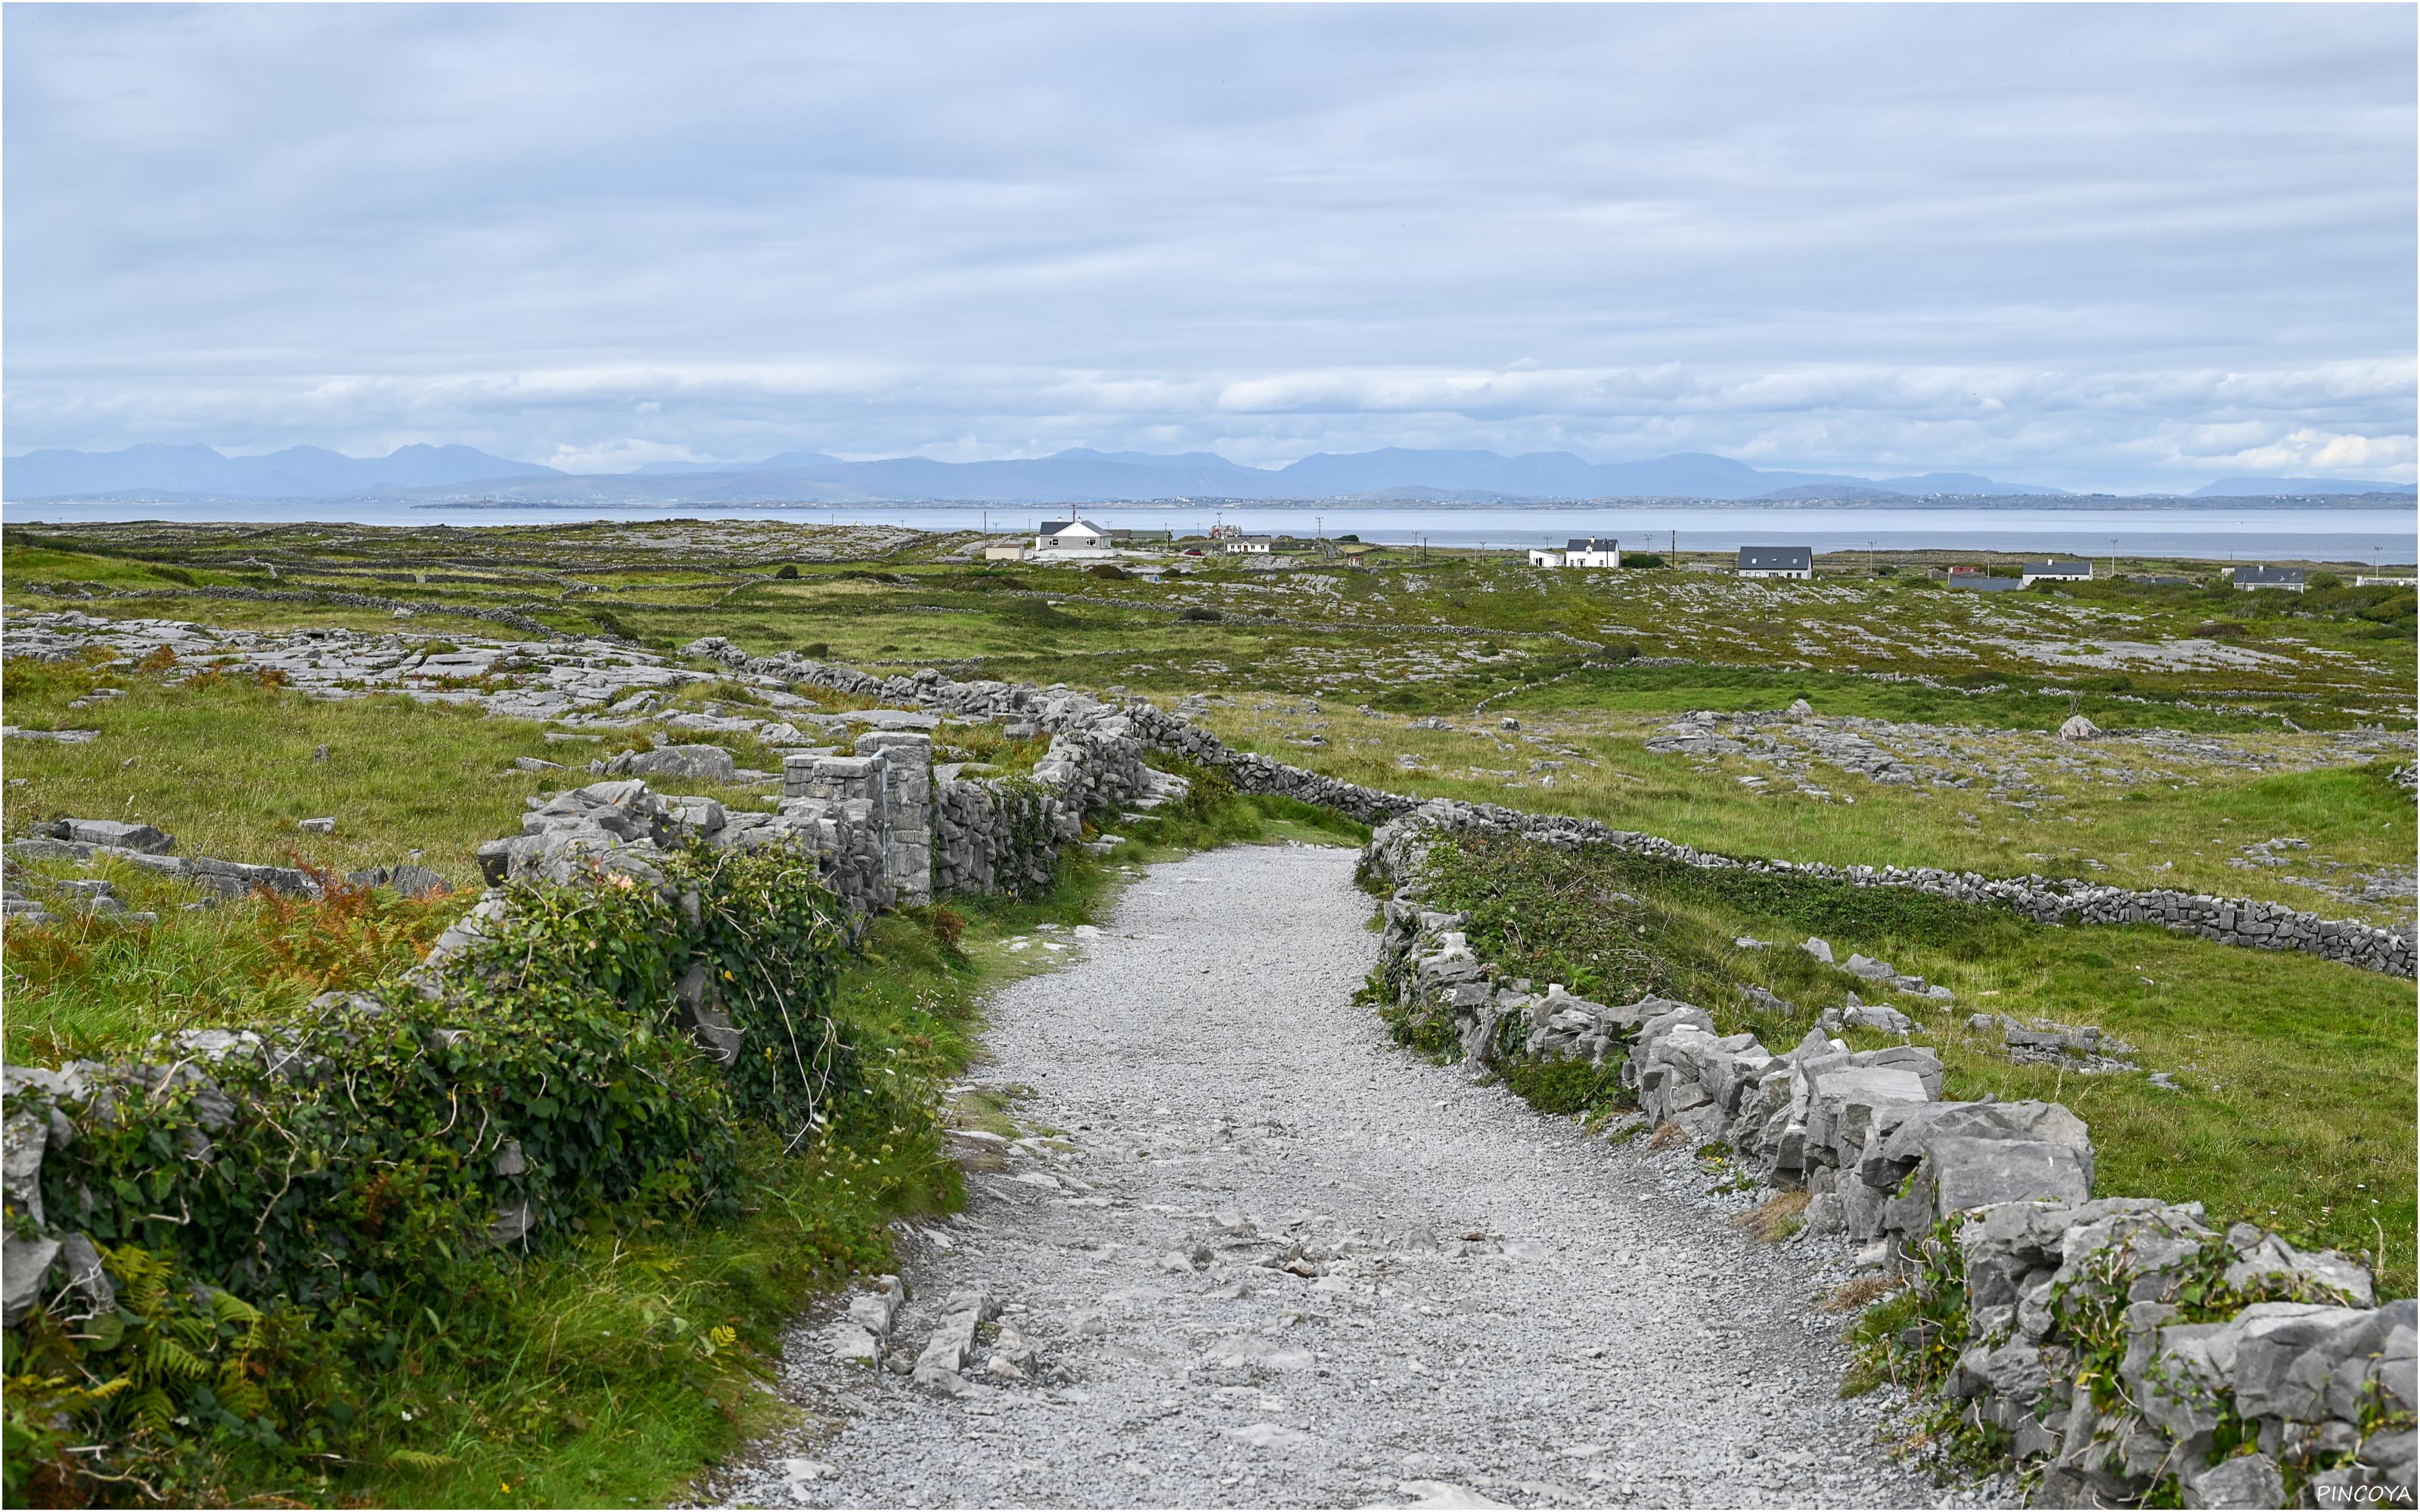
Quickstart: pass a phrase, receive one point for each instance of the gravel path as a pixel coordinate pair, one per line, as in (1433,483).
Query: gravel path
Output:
(1496,1310)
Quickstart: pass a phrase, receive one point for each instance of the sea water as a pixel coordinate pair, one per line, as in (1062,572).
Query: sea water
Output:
(2230,533)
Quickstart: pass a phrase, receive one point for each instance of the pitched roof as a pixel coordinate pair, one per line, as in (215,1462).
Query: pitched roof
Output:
(2058,569)
(2278,576)
(1590,543)
(1052,527)
(1776,559)
(1987,585)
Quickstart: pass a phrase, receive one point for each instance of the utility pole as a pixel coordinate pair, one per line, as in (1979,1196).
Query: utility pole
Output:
(1870,559)
(2113,559)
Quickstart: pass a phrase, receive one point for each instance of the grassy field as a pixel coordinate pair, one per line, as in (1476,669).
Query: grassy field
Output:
(2280,683)
(2296,1104)
(1448,623)
(2179,823)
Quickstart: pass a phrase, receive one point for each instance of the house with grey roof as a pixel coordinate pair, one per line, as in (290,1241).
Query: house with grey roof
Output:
(2057,571)
(2292,579)
(1065,535)
(1776,562)
(1580,552)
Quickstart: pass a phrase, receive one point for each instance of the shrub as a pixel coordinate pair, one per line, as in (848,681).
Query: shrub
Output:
(612,625)
(1031,613)
(1111,571)
(295,1216)
(788,573)
(1198,615)
(1565,1086)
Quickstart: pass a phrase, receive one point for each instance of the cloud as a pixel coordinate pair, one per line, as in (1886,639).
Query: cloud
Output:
(2317,450)
(623,454)
(2098,243)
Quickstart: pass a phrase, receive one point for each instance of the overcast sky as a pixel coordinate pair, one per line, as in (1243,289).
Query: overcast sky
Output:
(2088,246)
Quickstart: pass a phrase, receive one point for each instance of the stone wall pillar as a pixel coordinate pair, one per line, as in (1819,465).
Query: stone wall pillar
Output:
(909,804)
(859,787)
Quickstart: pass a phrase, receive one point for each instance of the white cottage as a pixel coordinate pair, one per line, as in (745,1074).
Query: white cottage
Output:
(2055,571)
(1776,562)
(1065,535)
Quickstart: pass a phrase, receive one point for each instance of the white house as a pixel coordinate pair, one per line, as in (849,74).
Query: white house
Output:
(2055,572)
(1255,545)
(1580,552)
(2292,579)
(1776,562)
(1062,536)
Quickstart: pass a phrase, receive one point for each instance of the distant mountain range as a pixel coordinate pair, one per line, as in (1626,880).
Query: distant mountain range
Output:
(2277,488)
(461,473)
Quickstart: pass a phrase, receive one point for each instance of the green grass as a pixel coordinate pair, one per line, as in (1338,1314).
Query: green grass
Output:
(2332,655)
(229,766)
(2298,1100)
(93,986)
(2156,834)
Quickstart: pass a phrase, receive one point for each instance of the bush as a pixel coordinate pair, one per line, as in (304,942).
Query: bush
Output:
(1110,571)
(295,1216)
(788,573)
(612,625)
(1031,614)
(1642,559)
(1198,615)
(1564,1088)
(817,649)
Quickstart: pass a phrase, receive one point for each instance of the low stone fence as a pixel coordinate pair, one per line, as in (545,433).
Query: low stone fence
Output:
(942,833)
(2238,921)
(2123,1346)
(88,841)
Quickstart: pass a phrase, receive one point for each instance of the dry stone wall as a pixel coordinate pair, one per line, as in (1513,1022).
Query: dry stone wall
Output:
(950,833)
(2123,1347)
(2237,921)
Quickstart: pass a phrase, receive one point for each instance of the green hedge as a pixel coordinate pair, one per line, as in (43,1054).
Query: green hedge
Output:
(283,1224)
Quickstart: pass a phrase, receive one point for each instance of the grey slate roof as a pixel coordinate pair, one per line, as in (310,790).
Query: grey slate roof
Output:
(1590,543)
(1776,559)
(2058,569)
(1986,585)
(2268,577)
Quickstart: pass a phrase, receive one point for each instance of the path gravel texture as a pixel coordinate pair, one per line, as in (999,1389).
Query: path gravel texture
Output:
(1277,1260)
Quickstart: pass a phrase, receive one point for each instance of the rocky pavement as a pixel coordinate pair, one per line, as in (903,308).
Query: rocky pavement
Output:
(1252,1253)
